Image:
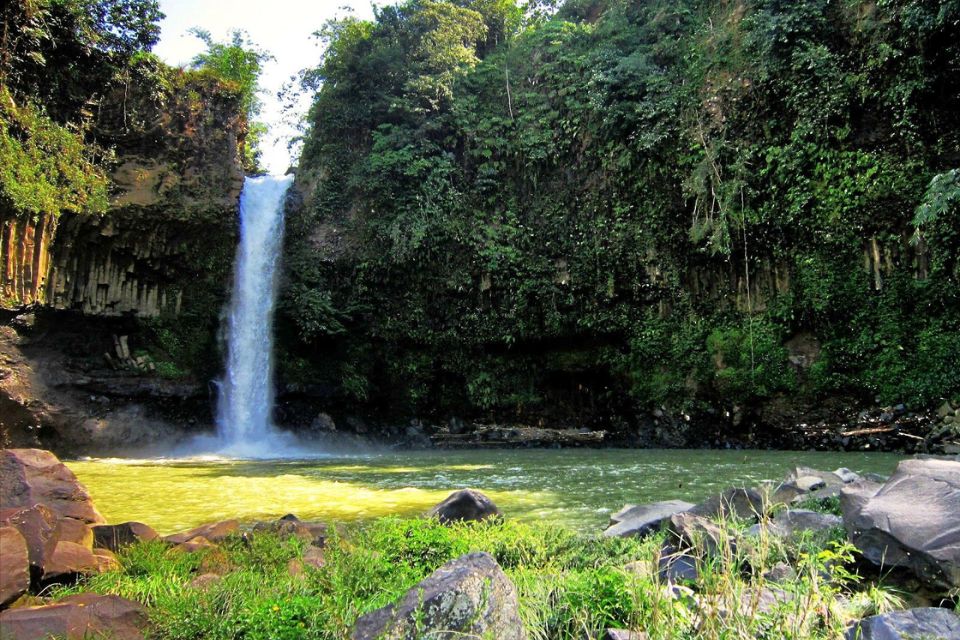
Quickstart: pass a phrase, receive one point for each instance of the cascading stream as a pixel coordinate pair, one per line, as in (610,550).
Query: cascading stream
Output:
(245,407)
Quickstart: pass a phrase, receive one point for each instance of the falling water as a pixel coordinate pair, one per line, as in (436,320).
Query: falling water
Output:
(244,412)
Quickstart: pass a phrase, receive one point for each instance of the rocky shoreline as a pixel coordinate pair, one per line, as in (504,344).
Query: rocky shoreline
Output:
(904,529)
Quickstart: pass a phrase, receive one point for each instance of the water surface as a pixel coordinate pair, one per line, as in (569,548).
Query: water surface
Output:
(574,487)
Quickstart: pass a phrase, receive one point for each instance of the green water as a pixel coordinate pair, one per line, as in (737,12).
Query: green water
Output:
(578,488)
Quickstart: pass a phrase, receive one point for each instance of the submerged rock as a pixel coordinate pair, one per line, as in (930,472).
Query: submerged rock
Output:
(35,476)
(465,505)
(642,520)
(913,624)
(78,617)
(467,597)
(912,521)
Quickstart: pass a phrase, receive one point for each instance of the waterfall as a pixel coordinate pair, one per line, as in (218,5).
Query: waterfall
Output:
(245,406)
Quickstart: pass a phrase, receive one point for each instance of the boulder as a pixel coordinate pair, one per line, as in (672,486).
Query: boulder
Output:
(792,522)
(106,560)
(912,521)
(465,505)
(677,566)
(35,476)
(642,520)
(68,563)
(927,623)
(40,528)
(467,597)
(78,617)
(116,536)
(194,544)
(72,530)
(213,532)
(846,476)
(746,504)
(204,581)
(289,526)
(780,573)
(624,634)
(689,531)
(14,566)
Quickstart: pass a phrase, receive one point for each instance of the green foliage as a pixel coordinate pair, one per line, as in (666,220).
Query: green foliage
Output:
(670,190)
(569,585)
(238,62)
(45,169)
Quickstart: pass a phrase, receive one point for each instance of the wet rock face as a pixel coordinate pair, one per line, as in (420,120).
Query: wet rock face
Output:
(467,597)
(465,505)
(911,521)
(35,476)
(926,623)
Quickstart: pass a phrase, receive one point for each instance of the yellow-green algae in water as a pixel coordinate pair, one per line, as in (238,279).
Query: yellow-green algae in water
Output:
(577,488)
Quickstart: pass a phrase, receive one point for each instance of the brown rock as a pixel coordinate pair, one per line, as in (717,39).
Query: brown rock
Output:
(35,476)
(205,581)
(40,529)
(78,617)
(213,532)
(117,536)
(80,533)
(313,557)
(106,560)
(196,543)
(69,562)
(287,527)
(14,566)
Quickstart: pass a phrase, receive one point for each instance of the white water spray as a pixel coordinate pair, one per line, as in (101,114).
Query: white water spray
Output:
(245,407)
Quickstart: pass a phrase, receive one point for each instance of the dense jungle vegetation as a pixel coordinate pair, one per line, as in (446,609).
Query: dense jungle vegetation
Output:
(600,207)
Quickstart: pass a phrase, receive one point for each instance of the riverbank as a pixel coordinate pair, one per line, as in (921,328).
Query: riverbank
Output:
(797,558)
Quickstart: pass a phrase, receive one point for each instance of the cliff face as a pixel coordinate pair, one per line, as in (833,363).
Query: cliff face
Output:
(176,183)
(154,270)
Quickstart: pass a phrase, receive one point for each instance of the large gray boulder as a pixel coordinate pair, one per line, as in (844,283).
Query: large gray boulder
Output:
(469,597)
(912,521)
(793,522)
(912,624)
(35,476)
(642,520)
(465,505)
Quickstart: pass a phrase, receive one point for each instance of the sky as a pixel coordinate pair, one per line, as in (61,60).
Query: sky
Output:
(283,27)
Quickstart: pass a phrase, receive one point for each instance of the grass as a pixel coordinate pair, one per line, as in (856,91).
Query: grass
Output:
(570,586)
